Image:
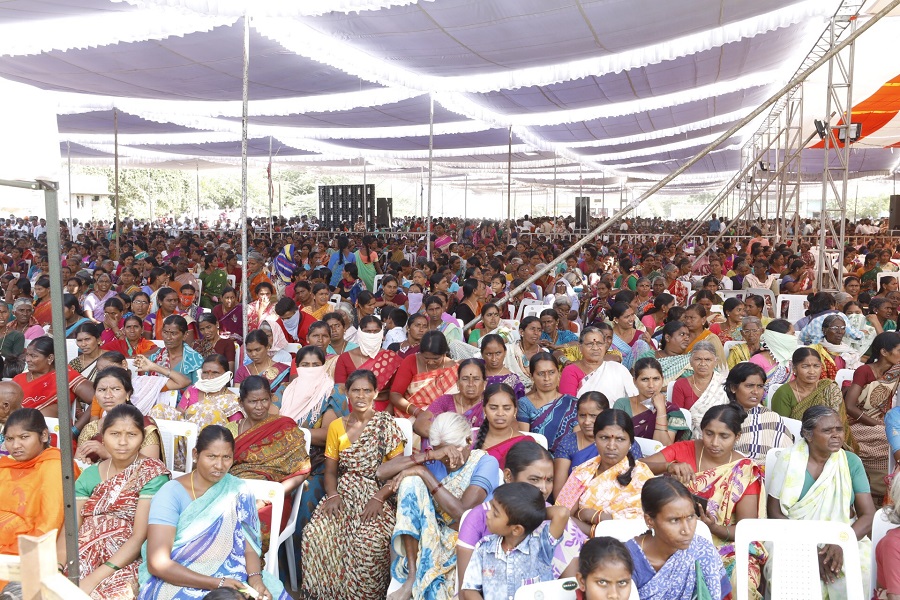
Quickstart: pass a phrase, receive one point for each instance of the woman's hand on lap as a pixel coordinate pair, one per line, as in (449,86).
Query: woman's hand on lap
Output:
(831,562)
(333,506)
(371,510)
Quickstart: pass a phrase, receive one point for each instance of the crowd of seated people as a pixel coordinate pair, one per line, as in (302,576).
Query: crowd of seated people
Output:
(446,457)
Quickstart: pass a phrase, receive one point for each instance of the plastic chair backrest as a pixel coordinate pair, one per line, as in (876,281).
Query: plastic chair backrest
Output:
(771,457)
(795,566)
(336,299)
(168,432)
(558,589)
(729,345)
(540,439)
(405,426)
(726,294)
(533,310)
(293,348)
(880,527)
(843,376)
(53,427)
(715,308)
(766,293)
(881,276)
(687,417)
(377,282)
(796,306)
(307,437)
(793,425)
(669,389)
(649,447)
(232,281)
(71,350)
(772,389)
(159,343)
(272,492)
(527,302)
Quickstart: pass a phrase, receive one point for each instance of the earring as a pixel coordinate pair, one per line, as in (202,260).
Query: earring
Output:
(652,532)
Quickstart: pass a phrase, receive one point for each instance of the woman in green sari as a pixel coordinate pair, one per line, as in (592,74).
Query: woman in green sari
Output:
(214,281)
(367,266)
(672,355)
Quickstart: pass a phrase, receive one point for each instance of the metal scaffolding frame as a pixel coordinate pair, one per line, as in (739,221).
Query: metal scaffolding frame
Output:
(836,170)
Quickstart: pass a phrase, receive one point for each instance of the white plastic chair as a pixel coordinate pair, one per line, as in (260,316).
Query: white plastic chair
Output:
(669,390)
(771,458)
(293,348)
(168,432)
(307,437)
(626,529)
(795,565)
(527,302)
(766,293)
(159,343)
(880,527)
(796,306)
(336,299)
(232,281)
(687,417)
(71,350)
(405,426)
(540,439)
(273,493)
(772,389)
(534,310)
(53,427)
(793,425)
(558,589)
(377,283)
(843,376)
(649,447)
(729,345)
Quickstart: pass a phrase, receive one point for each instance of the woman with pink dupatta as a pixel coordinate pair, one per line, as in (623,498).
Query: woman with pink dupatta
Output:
(424,376)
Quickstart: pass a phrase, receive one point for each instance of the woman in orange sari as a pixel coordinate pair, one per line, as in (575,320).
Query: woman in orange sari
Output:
(320,306)
(424,376)
(694,317)
(31,480)
(134,342)
(370,356)
(268,447)
(42,311)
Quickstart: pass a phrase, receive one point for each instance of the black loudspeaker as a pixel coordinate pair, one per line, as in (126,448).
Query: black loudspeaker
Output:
(346,203)
(384,213)
(895,212)
(582,213)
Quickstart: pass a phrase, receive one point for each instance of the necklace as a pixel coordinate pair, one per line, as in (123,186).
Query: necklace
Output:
(700,460)
(694,385)
(193,493)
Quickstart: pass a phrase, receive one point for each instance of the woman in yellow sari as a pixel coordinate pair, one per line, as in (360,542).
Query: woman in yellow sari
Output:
(839,491)
(609,486)
(731,483)
(425,376)
(694,317)
(320,306)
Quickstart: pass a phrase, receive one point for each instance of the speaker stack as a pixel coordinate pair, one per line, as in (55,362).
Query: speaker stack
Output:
(895,212)
(346,203)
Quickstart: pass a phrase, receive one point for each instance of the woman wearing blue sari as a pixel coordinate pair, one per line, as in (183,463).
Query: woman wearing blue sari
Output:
(175,353)
(73,315)
(286,263)
(626,338)
(544,409)
(203,531)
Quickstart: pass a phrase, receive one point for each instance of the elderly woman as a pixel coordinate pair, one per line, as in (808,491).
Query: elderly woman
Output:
(24,321)
(672,354)
(434,489)
(424,376)
(467,402)
(594,371)
(95,301)
(553,338)
(751,332)
(703,389)
(817,480)
(832,349)
(763,429)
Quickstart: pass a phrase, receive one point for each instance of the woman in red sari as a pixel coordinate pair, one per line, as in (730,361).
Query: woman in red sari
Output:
(499,431)
(370,356)
(42,311)
(38,383)
(268,447)
(424,376)
(133,342)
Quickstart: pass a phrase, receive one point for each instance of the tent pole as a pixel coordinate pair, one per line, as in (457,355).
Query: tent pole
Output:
(555,161)
(577,246)
(279,198)
(149,201)
(198,194)
(66,420)
(69,160)
(509,185)
(245,89)
(466,199)
(118,228)
(270,192)
(430,163)
(365,197)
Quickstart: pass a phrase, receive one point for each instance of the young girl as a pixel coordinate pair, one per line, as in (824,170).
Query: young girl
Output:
(604,570)
(529,463)
(499,431)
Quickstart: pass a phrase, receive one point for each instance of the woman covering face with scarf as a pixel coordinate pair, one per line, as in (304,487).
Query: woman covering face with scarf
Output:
(369,355)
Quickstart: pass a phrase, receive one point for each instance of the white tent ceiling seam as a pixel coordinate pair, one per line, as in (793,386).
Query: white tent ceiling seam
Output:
(306,41)
(275,8)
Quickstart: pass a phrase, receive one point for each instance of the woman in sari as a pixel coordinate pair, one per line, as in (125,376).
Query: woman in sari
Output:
(320,305)
(763,429)
(319,335)
(423,377)
(528,345)
(751,331)
(114,388)
(554,339)
(87,336)
(176,354)
(493,351)
(203,531)
(703,388)
(140,305)
(499,431)
(655,315)
(608,486)
(113,503)
(370,356)
(666,563)
(732,484)
(730,330)
(869,398)
(367,266)
(214,281)
(230,314)
(626,339)
(167,300)
(42,304)
(390,294)
(345,552)
(268,447)
(12,342)
(112,320)
(38,382)
(817,480)
(808,389)
(672,355)
(694,317)
(31,480)
(467,401)
(264,305)
(286,263)
(835,354)
(95,301)
(211,340)
(434,489)
(778,343)
(276,373)
(434,309)
(23,320)
(596,370)
(653,417)
(133,342)
(73,315)
(644,296)
(545,410)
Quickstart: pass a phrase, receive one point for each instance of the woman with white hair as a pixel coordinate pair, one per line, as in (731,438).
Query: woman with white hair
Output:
(434,488)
